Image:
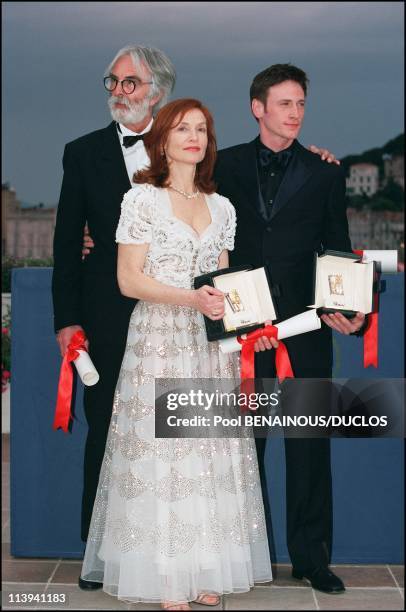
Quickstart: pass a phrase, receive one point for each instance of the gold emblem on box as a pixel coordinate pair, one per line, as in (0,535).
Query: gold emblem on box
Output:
(335,282)
(233,298)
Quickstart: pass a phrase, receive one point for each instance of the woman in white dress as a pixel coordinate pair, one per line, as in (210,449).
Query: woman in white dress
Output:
(175,520)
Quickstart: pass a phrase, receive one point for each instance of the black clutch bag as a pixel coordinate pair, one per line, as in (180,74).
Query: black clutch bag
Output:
(248,300)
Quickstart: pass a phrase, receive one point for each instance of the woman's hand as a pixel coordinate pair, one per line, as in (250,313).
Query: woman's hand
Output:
(209,301)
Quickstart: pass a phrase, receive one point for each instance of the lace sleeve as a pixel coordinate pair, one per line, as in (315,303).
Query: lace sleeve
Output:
(230,226)
(135,225)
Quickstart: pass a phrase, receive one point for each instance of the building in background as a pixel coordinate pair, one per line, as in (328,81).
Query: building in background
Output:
(394,169)
(27,230)
(9,205)
(373,222)
(375,229)
(363,179)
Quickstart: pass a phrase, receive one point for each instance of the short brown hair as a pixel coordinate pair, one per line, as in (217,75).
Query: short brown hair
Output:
(278,73)
(157,173)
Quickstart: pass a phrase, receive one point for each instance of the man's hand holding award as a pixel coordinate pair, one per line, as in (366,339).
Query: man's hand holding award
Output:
(346,288)
(76,352)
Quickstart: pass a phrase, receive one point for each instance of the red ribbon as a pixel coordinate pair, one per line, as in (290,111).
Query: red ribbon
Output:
(371,332)
(64,400)
(282,361)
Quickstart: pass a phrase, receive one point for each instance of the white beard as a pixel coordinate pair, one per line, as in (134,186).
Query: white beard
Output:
(134,113)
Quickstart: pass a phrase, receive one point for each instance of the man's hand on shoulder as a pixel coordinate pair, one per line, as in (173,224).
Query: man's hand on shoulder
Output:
(64,336)
(343,325)
(87,242)
(325,155)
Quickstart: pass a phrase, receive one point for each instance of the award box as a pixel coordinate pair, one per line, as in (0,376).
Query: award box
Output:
(342,283)
(248,300)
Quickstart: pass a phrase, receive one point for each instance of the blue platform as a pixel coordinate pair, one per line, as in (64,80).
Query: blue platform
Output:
(46,466)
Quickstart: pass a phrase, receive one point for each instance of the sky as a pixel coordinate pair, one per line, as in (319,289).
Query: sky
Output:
(55,53)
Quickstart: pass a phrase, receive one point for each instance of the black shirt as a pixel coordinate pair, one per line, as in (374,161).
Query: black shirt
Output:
(271,170)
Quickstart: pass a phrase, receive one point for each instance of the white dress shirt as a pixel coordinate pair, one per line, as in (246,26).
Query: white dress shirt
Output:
(135,157)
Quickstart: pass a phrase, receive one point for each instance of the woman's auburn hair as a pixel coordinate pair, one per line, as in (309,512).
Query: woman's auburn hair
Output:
(167,118)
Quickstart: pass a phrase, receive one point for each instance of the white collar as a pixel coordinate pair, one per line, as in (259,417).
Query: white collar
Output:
(126,132)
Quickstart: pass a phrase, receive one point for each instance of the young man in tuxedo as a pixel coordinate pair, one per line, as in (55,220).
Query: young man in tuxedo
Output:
(98,171)
(289,205)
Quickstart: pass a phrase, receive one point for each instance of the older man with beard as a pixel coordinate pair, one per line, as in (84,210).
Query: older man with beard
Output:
(98,170)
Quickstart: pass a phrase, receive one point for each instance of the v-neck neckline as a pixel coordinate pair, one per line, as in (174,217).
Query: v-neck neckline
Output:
(190,228)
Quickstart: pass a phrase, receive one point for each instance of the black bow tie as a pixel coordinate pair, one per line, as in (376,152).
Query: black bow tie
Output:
(129,141)
(267,157)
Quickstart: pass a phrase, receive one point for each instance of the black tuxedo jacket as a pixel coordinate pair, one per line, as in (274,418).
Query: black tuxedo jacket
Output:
(95,179)
(308,215)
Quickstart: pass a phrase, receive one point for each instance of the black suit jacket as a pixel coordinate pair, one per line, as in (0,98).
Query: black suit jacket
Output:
(308,216)
(94,182)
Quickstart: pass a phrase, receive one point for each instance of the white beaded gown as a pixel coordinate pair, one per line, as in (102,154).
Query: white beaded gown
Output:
(174,517)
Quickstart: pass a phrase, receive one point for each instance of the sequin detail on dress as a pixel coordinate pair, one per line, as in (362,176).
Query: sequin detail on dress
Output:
(173,517)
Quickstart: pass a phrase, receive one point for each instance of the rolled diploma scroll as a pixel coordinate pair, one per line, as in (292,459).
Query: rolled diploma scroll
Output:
(86,369)
(387,259)
(300,324)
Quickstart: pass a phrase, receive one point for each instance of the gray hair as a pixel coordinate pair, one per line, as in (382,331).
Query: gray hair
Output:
(161,68)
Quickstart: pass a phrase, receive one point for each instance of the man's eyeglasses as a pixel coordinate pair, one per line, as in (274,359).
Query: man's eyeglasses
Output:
(128,85)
